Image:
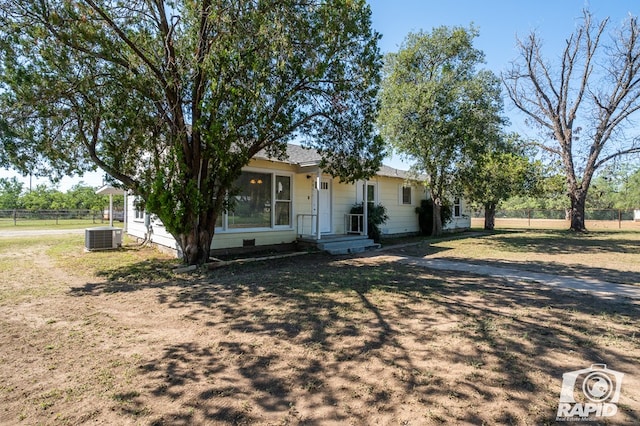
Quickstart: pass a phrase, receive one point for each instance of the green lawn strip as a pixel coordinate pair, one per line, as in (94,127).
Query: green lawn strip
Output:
(132,261)
(7,224)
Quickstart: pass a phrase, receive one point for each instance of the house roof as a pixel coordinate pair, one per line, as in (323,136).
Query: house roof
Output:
(302,157)
(109,190)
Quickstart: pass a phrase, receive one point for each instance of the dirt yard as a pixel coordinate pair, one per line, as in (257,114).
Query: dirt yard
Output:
(311,340)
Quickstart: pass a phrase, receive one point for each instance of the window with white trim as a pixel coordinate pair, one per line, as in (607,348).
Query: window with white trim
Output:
(263,201)
(371,193)
(457,207)
(138,213)
(283,200)
(406,195)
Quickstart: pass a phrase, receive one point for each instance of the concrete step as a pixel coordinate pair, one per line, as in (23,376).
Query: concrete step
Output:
(353,250)
(355,242)
(348,247)
(332,238)
(340,244)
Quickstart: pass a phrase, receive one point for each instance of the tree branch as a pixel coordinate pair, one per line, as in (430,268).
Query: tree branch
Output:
(91,149)
(155,70)
(632,150)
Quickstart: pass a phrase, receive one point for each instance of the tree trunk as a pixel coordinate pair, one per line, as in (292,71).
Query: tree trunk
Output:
(489,216)
(195,246)
(437,217)
(196,243)
(578,202)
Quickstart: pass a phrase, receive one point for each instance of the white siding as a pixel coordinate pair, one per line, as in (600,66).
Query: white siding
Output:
(344,198)
(460,222)
(222,240)
(402,217)
(302,202)
(136,228)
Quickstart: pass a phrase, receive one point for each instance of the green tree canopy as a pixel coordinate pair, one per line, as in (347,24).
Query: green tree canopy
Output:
(502,171)
(10,191)
(81,196)
(437,108)
(629,194)
(173,98)
(550,194)
(43,197)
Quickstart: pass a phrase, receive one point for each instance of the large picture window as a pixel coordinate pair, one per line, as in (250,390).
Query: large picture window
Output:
(252,208)
(263,201)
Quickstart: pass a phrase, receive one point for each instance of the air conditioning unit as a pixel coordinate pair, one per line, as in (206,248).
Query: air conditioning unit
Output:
(102,238)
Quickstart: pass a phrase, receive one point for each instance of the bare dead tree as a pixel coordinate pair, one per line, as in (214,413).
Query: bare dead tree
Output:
(584,103)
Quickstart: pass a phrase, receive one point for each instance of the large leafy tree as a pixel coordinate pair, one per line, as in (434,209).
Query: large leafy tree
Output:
(504,170)
(550,194)
(583,105)
(616,186)
(437,108)
(43,197)
(10,192)
(173,98)
(629,194)
(81,196)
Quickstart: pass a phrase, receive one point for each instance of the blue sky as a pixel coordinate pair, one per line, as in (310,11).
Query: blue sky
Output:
(498,21)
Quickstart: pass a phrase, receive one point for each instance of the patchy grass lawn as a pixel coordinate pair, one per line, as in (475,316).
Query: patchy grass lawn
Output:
(311,340)
(607,255)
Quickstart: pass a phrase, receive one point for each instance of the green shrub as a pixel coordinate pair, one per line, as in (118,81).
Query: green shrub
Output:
(425,215)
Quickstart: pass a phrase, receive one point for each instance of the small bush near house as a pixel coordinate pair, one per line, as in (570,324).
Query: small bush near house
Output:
(376,216)
(425,215)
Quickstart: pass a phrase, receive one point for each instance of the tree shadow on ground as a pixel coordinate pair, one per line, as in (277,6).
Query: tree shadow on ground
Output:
(319,339)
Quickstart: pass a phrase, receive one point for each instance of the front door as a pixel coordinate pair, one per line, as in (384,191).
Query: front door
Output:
(325,205)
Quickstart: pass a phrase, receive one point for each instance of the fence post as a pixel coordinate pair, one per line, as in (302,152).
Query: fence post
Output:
(529,217)
(15,217)
(619,219)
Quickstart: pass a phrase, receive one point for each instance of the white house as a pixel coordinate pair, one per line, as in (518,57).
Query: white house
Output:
(280,202)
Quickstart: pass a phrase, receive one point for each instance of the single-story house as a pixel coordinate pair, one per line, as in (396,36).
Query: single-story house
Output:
(281,201)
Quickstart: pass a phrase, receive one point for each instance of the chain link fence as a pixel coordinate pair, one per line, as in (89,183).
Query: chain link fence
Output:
(554,219)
